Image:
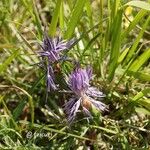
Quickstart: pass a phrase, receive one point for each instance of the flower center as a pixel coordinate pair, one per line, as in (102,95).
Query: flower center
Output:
(86,102)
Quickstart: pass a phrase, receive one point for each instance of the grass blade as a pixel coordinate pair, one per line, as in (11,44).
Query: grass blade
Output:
(145,103)
(141,110)
(115,45)
(61,16)
(123,55)
(139,75)
(8,112)
(140,61)
(53,25)
(77,12)
(141,94)
(5,64)
(37,19)
(133,24)
(134,47)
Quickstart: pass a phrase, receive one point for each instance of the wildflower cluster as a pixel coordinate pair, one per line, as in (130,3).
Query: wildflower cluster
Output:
(78,81)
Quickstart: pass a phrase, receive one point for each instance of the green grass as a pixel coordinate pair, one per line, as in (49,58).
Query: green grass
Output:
(112,37)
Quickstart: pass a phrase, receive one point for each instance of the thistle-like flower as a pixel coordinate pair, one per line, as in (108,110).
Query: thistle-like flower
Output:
(79,84)
(51,53)
(53,46)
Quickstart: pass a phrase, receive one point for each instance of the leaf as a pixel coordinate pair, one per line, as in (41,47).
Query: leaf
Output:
(139,75)
(7,46)
(61,16)
(141,94)
(136,42)
(37,18)
(115,45)
(4,105)
(145,103)
(142,111)
(5,64)
(123,55)
(76,13)
(139,4)
(53,25)
(89,12)
(104,129)
(133,24)
(140,61)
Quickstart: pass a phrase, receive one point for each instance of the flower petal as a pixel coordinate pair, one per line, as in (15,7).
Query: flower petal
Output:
(73,110)
(69,105)
(101,106)
(94,92)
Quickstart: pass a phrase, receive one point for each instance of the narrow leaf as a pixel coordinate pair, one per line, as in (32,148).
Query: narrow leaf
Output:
(4,65)
(53,24)
(139,4)
(133,24)
(123,55)
(139,75)
(141,94)
(134,46)
(76,14)
(145,103)
(61,16)
(115,45)
(140,61)
(141,110)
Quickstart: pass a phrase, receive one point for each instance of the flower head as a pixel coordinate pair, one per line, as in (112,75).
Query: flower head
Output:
(50,54)
(85,94)
(53,46)
(79,80)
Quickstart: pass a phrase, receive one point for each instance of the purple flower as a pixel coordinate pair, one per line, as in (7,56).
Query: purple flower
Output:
(53,46)
(79,84)
(51,53)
